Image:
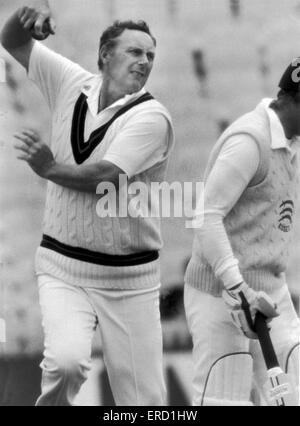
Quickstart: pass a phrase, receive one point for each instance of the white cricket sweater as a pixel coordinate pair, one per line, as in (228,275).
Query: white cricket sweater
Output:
(71,220)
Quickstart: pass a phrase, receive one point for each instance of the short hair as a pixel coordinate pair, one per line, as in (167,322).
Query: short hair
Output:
(284,97)
(108,37)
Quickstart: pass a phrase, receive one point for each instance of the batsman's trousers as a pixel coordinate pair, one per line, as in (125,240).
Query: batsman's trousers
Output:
(129,323)
(224,372)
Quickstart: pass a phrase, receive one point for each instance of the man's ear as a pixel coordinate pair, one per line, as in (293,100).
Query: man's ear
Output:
(105,54)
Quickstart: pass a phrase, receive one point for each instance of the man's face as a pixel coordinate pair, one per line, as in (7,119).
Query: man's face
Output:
(295,117)
(129,63)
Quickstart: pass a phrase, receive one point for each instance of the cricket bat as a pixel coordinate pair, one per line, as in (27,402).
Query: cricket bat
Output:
(280,390)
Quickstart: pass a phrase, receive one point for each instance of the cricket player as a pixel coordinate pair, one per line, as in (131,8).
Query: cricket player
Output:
(95,270)
(240,253)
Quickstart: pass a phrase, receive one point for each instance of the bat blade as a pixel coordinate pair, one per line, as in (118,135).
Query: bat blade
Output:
(279,389)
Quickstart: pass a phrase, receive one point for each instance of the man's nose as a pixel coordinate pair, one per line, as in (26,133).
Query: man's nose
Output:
(143,60)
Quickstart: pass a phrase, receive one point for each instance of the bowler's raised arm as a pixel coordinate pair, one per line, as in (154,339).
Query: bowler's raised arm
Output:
(27,23)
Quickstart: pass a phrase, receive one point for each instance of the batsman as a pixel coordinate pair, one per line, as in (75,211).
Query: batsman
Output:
(96,271)
(241,251)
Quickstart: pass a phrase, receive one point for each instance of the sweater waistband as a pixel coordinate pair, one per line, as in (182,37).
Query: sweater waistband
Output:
(98,258)
(85,274)
(201,277)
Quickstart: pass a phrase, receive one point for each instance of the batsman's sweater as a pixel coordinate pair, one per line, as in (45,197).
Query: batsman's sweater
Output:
(78,245)
(260,223)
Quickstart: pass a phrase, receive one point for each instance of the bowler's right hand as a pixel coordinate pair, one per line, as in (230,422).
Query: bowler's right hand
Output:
(37,20)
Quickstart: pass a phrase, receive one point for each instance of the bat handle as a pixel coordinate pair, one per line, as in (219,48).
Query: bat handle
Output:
(264,338)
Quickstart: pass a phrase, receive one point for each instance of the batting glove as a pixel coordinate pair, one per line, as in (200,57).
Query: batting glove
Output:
(243,303)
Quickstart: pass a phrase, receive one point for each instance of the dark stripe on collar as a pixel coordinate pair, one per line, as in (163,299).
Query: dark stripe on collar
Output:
(81,149)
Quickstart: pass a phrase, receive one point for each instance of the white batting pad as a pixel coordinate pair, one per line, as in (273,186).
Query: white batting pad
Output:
(292,369)
(229,381)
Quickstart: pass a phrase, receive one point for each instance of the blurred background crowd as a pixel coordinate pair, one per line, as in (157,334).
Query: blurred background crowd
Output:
(215,60)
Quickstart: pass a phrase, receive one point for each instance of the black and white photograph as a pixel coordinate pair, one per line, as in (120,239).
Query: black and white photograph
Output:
(149,205)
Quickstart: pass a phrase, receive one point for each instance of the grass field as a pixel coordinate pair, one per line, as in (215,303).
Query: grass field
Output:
(235,85)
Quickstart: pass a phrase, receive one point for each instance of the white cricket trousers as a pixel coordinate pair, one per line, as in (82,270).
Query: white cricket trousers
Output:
(129,323)
(226,363)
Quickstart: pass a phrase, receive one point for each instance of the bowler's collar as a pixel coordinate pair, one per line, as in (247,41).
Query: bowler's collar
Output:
(92,91)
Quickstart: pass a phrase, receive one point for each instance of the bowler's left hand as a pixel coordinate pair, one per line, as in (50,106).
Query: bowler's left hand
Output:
(32,150)
(243,303)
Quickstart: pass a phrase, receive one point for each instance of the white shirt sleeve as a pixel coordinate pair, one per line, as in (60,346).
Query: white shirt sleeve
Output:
(234,169)
(142,143)
(50,70)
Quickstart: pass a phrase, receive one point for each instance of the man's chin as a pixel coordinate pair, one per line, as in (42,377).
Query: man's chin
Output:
(136,87)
